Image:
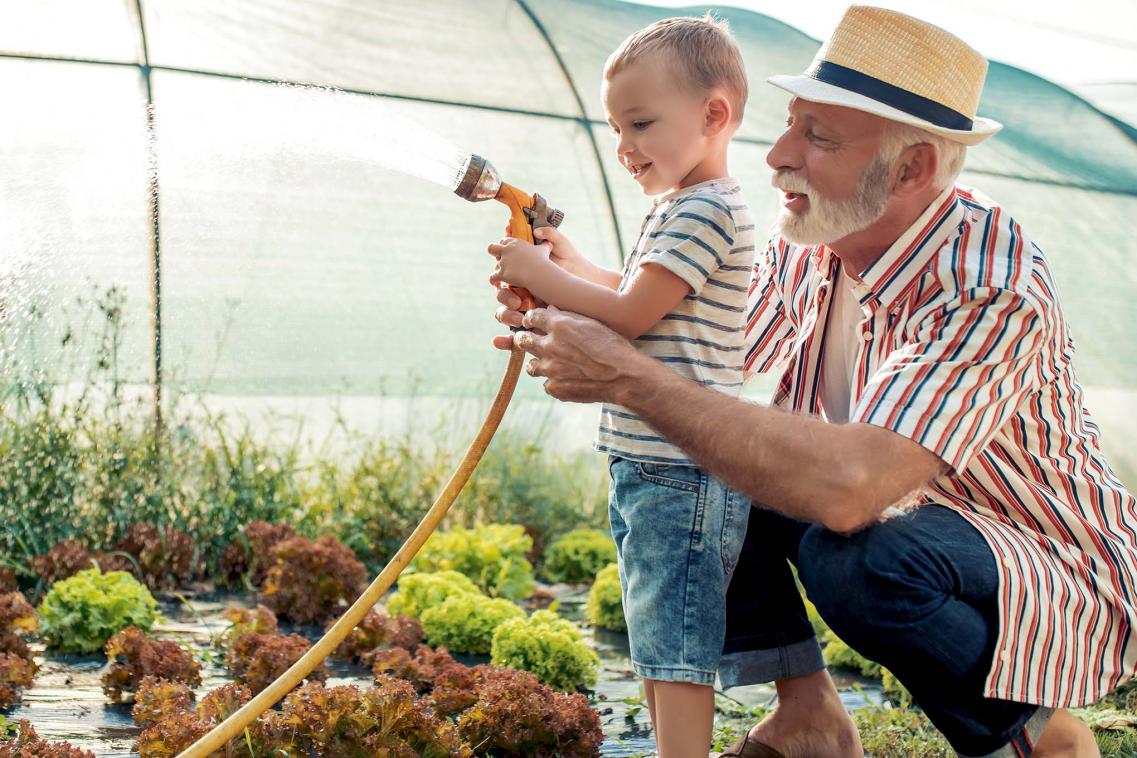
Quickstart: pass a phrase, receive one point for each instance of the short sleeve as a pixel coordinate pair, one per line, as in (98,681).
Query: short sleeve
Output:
(692,240)
(961,379)
(769,329)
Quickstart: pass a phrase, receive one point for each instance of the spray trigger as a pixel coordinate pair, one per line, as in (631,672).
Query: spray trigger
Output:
(542,215)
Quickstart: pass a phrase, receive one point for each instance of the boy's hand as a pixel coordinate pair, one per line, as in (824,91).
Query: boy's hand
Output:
(561,251)
(518,262)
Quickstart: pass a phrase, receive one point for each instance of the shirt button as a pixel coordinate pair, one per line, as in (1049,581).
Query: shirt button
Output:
(1008,562)
(1004,656)
(866,336)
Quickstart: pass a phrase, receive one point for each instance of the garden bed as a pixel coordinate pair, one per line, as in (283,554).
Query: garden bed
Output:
(66,701)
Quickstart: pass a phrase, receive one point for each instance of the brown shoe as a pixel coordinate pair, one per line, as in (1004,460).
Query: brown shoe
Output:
(748,747)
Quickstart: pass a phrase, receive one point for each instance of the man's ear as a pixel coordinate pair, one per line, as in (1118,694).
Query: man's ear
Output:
(916,169)
(717,114)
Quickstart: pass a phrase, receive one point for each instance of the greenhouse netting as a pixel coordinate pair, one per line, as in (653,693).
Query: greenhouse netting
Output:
(230,163)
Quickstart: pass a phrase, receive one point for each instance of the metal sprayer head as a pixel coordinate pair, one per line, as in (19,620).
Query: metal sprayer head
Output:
(479,180)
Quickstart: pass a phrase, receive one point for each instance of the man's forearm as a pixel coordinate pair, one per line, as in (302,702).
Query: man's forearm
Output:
(802,466)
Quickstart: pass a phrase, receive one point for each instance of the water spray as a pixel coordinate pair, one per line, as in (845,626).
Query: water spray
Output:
(476,180)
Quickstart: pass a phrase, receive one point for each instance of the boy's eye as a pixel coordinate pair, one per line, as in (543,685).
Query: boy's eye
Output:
(641,125)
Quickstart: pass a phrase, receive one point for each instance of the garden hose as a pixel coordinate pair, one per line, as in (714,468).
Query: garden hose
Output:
(236,723)
(477,181)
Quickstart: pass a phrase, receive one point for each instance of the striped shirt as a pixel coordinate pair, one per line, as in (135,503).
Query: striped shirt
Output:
(703,234)
(965,350)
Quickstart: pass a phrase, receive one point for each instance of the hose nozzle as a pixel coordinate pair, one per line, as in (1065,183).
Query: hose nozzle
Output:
(478,180)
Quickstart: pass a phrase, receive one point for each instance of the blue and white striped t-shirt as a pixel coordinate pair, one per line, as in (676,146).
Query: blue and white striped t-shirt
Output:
(703,234)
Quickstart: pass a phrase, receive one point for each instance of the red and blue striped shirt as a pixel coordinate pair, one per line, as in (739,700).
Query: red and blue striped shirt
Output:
(967,352)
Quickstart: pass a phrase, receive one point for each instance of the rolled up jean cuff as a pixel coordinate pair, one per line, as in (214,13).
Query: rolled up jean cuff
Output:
(770,664)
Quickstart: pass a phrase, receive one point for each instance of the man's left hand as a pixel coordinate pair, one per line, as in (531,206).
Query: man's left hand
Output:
(582,360)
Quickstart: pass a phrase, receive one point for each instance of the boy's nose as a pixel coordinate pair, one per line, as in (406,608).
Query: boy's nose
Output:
(625,145)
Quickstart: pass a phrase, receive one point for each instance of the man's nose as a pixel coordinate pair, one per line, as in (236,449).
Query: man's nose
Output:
(784,153)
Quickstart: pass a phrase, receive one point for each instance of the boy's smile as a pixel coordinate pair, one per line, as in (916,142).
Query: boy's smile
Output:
(659,126)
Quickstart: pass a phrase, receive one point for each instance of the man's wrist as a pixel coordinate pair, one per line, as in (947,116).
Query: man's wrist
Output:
(638,382)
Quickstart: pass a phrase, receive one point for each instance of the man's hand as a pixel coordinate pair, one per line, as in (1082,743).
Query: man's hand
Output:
(582,360)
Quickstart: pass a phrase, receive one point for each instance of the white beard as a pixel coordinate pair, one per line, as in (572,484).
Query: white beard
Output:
(826,221)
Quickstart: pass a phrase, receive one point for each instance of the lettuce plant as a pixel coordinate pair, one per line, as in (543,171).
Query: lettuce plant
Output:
(311,582)
(17,665)
(314,720)
(81,613)
(17,618)
(417,592)
(250,555)
(386,720)
(515,715)
(158,699)
(16,673)
(378,631)
(548,646)
(575,557)
(256,660)
(604,608)
(493,556)
(466,623)
(27,744)
(422,669)
(165,557)
(245,620)
(180,726)
(132,656)
(65,559)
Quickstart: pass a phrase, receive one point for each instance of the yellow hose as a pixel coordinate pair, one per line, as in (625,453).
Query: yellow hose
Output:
(236,723)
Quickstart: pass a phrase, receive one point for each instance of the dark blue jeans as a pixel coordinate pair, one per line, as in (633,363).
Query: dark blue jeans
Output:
(916,593)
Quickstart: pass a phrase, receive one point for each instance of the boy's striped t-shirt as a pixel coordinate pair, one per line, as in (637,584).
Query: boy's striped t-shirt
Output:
(703,234)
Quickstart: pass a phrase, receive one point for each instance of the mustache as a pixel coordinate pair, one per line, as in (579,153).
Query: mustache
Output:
(788,181)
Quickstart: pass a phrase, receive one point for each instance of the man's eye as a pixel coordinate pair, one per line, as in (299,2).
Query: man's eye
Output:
(815,137)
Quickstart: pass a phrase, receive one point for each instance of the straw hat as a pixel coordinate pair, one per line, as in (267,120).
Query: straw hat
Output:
(901,68)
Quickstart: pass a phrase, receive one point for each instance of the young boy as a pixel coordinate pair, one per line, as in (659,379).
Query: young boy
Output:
(674,94)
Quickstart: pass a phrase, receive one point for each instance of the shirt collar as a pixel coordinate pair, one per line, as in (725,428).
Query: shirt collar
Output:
(888,277)
(730,181)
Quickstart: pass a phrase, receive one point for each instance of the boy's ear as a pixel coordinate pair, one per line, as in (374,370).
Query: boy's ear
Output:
(717,114)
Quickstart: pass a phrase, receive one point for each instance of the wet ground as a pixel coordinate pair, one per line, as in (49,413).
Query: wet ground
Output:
(67,701)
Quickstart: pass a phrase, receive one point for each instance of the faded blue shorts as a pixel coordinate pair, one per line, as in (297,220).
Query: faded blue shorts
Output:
(678,533)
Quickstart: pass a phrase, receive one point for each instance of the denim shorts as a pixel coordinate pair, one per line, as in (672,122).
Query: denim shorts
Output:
(678,533)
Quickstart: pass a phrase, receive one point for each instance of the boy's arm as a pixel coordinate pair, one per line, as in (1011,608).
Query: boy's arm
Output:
(565,255)
(650,295)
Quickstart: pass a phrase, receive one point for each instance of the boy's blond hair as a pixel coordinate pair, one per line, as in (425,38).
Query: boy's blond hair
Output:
(702,52)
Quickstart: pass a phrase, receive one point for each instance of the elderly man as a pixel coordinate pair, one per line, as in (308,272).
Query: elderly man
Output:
(927,462)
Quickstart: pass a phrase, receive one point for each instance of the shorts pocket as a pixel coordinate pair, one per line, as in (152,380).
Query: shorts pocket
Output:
(684,478)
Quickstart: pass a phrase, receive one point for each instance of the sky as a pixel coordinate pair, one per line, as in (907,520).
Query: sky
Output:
(1087,45)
